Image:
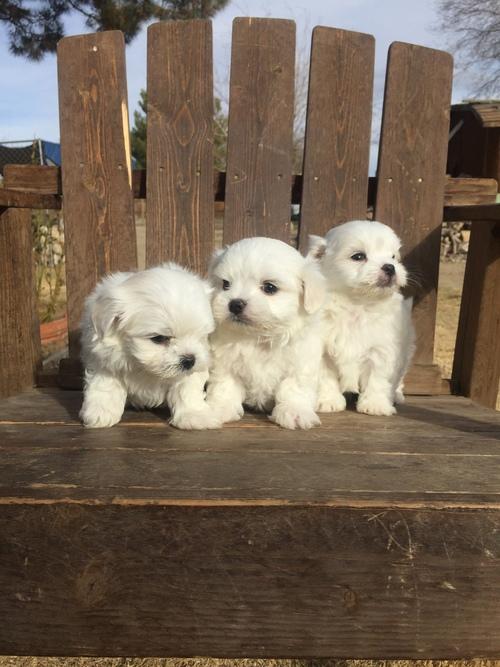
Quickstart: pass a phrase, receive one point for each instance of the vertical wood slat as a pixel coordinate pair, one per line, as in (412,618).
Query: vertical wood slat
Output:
(180,200)
(259,159)
(412,167)
(476,364)
(96,167)
(337,141)
(20,352)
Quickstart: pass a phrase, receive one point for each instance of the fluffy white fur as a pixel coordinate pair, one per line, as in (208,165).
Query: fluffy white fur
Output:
(367,327)
(268,355)
(122,316)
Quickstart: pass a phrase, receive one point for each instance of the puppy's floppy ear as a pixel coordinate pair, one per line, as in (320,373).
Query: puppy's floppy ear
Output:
(213,260)
(317,247)
(104,315)
(314,286)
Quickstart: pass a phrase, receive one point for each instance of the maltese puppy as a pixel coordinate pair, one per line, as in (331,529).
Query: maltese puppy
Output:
(267,346)
(145,338)
(368,332)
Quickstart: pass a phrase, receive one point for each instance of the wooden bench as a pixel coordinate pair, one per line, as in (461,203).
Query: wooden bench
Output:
(365,537)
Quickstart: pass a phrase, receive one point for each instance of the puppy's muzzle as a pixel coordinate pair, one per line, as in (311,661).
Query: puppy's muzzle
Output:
(387,275)
(187,362)
(236,306)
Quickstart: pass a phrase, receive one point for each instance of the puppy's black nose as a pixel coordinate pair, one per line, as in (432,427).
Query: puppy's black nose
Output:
(389,270)
(236,306)
(188,361)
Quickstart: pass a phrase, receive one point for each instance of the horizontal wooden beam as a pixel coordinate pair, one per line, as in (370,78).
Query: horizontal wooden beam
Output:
(21,199)
(32,180)
(479,213)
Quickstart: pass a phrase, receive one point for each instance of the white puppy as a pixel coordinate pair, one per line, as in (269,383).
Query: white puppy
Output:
(368,333)
(267,346)
(145,337)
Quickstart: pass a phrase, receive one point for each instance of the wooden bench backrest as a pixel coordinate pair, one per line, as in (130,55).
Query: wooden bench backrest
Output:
(96,169)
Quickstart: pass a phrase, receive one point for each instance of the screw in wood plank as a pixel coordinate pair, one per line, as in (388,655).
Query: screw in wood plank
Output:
(316,178)
(389,180)
(280,176)
(419,180)
(94,48)
(235,177)
(120,166)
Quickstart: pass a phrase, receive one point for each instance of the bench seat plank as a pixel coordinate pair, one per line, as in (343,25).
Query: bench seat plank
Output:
(351,540)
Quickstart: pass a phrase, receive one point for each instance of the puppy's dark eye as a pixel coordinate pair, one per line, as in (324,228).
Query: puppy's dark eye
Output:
(269,288)
(394,257)
(160,340)
(358,256)
(226,284)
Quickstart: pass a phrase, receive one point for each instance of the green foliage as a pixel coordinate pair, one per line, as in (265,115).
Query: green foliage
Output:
(35,26)
(138,134)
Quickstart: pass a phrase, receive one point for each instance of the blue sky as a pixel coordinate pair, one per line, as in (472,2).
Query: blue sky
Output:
(28,102)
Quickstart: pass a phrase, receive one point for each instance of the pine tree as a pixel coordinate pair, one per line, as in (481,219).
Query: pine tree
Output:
(35,26)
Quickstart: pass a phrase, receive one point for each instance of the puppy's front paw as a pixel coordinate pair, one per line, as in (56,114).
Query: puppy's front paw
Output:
(197,420)
(331,403)
(292,417)
(229,413)
(100,416)
(375,405)
(399,396)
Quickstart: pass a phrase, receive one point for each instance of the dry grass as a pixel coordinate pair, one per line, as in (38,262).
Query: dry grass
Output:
(451,278)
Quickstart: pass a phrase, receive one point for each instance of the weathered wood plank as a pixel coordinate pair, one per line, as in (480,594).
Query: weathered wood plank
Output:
(259,159)
(261,581)
(96,171)
(33,178)
(470,191)
(145,540)
(337,139)
(478,213)
(180,211)
(57,407)
(476,366)
(46,180)
(487,114)
(411,170)
(16,199)
(20,354)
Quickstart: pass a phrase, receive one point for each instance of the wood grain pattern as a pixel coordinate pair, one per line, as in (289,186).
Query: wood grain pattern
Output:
(411,170)
(488,114)
(96,171)
(259,158)
(47,181)
(478,213)
(179,213)
(260,581)
(337,140)
(476,366)
(470,191)
(383,541)
(21,199)
(33,178)
(20,354)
